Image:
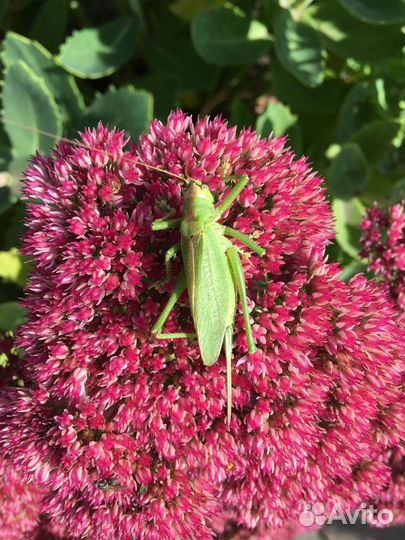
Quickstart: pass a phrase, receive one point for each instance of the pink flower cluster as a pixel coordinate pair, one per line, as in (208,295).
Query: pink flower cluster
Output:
(20,501)
(127,434)
(383,243)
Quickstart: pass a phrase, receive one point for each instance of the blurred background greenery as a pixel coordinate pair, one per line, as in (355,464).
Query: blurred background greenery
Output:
(328,74)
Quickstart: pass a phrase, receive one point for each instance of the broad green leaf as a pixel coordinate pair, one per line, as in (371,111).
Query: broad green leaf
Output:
(227,37)
(277,118)
(177,58)
(43,29)
(356,111)
(348,174)
(12,315)
(376,139)
(322,99)
(12,267)
(349,37)
(189,9)
(125,108)
(62,85)
(93,53)
(27,101)
(348,215)
(376,11)
(299,50)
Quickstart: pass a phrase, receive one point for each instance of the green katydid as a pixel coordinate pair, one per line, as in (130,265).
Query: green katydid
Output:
(212,273)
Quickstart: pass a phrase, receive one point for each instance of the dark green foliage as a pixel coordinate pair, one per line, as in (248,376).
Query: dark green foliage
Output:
(327,74)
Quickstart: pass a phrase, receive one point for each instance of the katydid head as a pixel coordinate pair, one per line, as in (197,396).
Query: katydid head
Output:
(198,192)
(199,202)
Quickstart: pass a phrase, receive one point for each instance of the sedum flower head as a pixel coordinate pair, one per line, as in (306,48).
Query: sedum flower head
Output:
(383,243)
(127,434)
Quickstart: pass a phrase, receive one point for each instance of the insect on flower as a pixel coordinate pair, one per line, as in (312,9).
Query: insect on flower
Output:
(212,273)
(109,485)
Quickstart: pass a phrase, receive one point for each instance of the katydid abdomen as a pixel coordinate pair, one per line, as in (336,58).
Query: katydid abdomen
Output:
(210,288)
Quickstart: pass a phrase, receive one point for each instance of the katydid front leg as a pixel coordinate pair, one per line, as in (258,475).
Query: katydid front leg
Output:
(179,288)
(233,195)
(165,224)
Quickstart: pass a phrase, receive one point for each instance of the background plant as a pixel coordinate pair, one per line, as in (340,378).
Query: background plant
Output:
(328,74)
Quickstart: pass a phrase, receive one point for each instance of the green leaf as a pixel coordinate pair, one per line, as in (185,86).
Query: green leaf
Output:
(322,99)
(43,29)
(376,139)
(60,84)
(177,58)
(356,111)
(125,108)
(348,174)
(13,268)
(376,11)
(93,53)
(190,9)
(276,118)
(349,37)
(227,37)
(27,101)
(12,315)
(299,50)
(348,215)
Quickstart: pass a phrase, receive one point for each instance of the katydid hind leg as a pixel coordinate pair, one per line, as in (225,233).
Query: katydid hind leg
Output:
(228,356)
(174,297)
(164,225)
(239,278)
(176,335)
